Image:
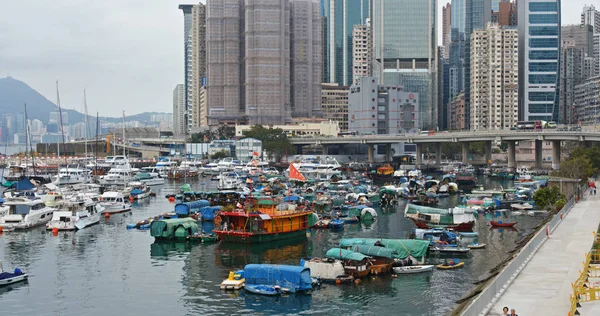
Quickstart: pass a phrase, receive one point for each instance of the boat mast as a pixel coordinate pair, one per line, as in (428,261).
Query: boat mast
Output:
(62,132)
(124,154)
(96,150)
(28,141)
(85,134)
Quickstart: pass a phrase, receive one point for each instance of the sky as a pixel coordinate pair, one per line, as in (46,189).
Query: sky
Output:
(127,54)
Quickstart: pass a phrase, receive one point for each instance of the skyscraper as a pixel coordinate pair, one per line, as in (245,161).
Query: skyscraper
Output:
(187,57)
(446,26)
(405,49)
(539,47)
(267,61)
(179,125)
(340,18)
(361,51)
(494,78)
(506,14)
(591,16)
(456,79)
(477,14)
(224,61)
(197,72)
(306,58)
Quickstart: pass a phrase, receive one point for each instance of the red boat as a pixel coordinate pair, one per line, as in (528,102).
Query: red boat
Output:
(502,224)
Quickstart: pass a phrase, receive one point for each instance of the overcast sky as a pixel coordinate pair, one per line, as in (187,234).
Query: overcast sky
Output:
(128,53)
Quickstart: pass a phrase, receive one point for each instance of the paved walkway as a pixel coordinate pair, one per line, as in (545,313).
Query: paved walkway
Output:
(544,285)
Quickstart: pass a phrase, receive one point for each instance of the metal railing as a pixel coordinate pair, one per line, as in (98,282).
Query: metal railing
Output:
(496,288)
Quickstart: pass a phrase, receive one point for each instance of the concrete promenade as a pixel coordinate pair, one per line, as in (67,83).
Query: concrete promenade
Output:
(544,285)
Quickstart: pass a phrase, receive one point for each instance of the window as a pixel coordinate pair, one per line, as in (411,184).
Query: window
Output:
(543,54)
(541,108)
(542,79)
(541,96)
(543,42)
(543,18)
(543,7)
(543,66)
(543,30)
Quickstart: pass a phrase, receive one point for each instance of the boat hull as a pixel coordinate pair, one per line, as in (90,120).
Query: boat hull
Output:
(15,279)
(413,269)
(496,224)
(467,226)
(251,238)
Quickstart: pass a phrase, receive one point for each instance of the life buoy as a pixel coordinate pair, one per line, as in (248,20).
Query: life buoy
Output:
(218,220)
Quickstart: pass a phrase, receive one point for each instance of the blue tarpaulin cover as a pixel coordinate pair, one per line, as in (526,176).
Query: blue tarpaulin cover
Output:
(187,208)
(293,278)
(209,212)
(23,185)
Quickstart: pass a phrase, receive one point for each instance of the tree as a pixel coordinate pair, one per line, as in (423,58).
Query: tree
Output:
(274,140)
(592,154)
(451,149)
(219,154)
(547,198)
(207,136)
(477,148)
(575,168)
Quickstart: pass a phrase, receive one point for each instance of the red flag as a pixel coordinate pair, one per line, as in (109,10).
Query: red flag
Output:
(255,153)
(295,174)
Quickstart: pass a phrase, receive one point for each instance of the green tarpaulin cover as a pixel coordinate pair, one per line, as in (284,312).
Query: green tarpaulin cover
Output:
(343,254)
(402,247)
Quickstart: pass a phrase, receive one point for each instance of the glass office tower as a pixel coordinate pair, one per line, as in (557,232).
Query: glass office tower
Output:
(539,59)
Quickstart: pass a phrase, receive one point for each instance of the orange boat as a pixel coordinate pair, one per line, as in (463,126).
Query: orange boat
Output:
(260,221)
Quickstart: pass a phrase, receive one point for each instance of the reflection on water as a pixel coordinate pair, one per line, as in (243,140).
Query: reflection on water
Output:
(106,269)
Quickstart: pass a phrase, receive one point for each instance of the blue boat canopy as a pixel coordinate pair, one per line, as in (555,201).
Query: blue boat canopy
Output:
(23,185)
(187,208)
(293,278)
(209,212)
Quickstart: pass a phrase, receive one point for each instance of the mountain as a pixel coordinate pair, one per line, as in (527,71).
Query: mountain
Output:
(15,93)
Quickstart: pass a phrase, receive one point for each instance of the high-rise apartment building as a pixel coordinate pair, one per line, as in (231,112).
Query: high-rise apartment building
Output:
(506,14)
(457,112)
(179,125)
(224,61)
(446,26)
(405,51)
(340,16)
(596,55)
(539,51)
(334,102)
(494,78)
(576,65)
(591,16)
(361,51)
(306,58)
(187,61)
(196,71)
(587,101)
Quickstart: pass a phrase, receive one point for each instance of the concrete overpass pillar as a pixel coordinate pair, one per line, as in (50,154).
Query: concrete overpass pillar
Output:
(538,154)
(419,160)
(438,155)
(511,155)
(488,151)
(556,155)
(465,152)
(325,150)
(388,152)
(299,149)
(370,152)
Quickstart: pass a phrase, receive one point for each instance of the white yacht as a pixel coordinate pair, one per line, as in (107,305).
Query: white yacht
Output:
(139,190)
(149,178)
(226,164)
(164,166)
(211,168)
(112,161)
(230,181)
(114,202)
(118,174)
(78,212)
(72,174)
(25,213)
(312,168)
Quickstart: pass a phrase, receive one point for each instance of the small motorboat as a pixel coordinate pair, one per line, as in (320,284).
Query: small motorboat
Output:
(476,245)
(515,213)
(413,269)
(203,238)
(264,289)
(322,223)
(449,249)
(336,224)
(521,206)
(502,224)
(235,281)
(7,278)
(451,265)
(469,234)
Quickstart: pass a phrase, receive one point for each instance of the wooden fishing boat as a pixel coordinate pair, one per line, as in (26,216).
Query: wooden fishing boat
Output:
(450,266)
(413,269)
(355,264)
(428,217)
(261,220)
(476,246)
(502,224)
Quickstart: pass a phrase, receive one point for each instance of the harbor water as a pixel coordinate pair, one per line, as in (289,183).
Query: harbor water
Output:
(109,270)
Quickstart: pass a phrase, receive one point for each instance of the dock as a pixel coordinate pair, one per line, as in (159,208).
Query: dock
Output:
(543,287)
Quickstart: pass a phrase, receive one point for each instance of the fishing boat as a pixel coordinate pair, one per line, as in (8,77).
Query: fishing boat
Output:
(322,223)
(288,278)
(174,228)
(336,224)
(24,213)
(381,258)
(326,269)
(448,249)
(476,245)
(502,224)
(385,172)
(413,269)
(413,250)
(234,281)
(456,219)
(7,278)
(261,220)
(139,190)
(466,180)
(114,202)
(450,265)
(355,264)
